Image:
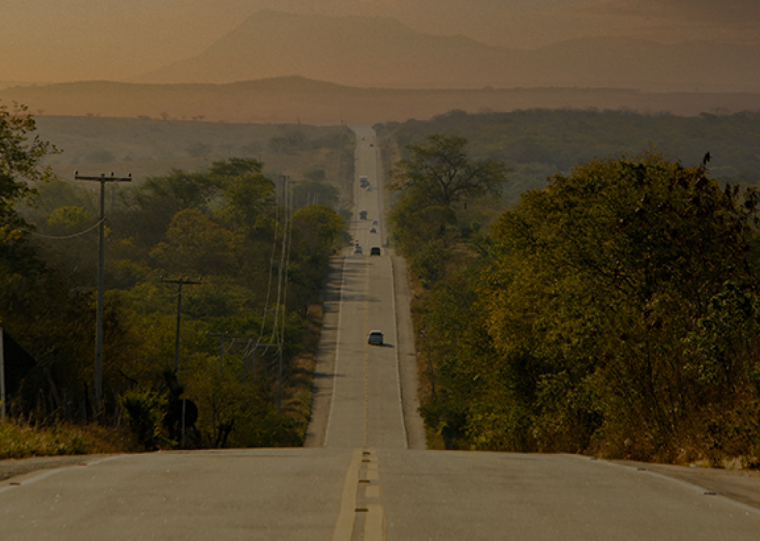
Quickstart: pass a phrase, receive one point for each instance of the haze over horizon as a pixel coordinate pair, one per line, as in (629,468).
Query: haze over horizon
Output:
(73,40)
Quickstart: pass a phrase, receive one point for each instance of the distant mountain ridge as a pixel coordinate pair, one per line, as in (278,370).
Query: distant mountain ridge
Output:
(296,99)
(381,52)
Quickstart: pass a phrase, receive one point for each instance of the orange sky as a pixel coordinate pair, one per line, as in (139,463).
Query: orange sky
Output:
(68,40)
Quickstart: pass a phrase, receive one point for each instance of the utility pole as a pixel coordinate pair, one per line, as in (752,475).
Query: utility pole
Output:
(180,283)
(101,273)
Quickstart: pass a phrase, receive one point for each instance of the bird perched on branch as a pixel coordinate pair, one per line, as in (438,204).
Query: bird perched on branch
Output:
(706,159)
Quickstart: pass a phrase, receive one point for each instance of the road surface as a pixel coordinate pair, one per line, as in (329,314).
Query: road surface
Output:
(364,473)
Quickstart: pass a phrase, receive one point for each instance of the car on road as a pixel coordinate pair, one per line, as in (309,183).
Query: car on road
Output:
(372,230)
(358,250)
(375,338)
(374,222)
(375,250)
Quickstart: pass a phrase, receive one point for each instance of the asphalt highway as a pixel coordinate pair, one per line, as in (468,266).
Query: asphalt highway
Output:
(364,473)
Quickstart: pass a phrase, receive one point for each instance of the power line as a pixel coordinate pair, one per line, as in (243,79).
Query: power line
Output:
(66,236)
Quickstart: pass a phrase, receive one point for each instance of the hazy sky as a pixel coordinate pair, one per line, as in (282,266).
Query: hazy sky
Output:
(66,40)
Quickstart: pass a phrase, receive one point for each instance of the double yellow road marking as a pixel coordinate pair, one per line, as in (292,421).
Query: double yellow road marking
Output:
(373,513)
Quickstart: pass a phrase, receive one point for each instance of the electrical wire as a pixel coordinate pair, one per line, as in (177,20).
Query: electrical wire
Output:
(67,236)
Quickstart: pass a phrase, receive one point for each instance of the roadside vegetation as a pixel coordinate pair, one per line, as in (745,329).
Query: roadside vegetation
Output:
(612,311)
(252,252)
(540,143)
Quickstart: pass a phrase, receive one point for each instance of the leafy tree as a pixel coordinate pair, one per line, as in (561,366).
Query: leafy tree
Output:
(196,244)
(248,195)
(442,174)
(20,164)
(316,232)
(598,285)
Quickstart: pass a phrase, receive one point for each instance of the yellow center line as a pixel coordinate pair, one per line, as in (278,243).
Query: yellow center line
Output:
(344,526)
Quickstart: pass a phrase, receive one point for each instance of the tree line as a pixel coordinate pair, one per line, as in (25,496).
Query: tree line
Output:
(614,311)
(256,248)
(539,143)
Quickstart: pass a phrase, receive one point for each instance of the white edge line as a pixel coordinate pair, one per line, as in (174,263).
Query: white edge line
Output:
(337,351)
(398,362)
(49,473)
(684,484)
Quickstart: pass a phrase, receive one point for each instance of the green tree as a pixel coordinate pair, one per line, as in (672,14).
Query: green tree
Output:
(316,232)
(599,282)
(195,243)
(247,195)
(441,173)
(21,155)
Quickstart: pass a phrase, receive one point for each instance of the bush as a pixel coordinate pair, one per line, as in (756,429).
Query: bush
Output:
(145,411)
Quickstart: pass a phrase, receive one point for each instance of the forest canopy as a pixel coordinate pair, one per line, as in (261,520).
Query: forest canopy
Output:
(614,311)
(252,265)
(539,143)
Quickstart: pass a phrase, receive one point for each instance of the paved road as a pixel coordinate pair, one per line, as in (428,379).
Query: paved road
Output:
(364,473)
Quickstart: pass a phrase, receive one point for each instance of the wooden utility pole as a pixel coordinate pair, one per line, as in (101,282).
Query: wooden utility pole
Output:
(101,273)
(180,283)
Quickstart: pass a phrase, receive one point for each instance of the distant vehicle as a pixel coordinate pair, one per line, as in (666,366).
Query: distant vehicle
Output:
(362,214)
(362,138)
(369,188)
(358,250)
(375,250)
(372,230)
(372,144)
(364,181)
(374,222)
(375,338)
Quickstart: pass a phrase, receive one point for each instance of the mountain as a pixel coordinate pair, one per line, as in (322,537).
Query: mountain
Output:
(296,99)
(381,52)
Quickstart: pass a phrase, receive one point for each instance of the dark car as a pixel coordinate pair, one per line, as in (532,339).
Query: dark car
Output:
(375,338)
(375,250)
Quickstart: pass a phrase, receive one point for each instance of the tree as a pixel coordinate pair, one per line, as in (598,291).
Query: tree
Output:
(20,164)
(197,244)
(248,194)
(596,294)
(442,174)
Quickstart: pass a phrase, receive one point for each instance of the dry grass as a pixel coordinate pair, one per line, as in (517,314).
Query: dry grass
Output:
(23,441)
